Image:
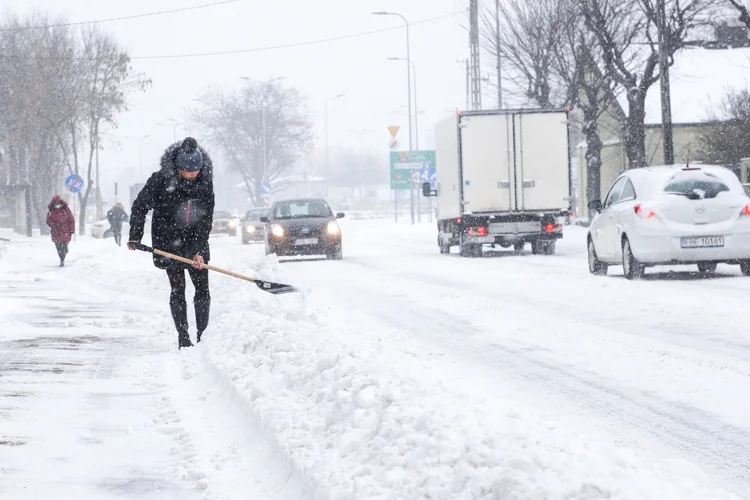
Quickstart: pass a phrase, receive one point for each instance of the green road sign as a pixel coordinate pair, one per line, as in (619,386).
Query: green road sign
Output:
(406,167)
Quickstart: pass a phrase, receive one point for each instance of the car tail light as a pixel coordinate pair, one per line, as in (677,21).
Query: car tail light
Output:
(478,231)
(642,213)
(746,211)
(553,228)
(459,220)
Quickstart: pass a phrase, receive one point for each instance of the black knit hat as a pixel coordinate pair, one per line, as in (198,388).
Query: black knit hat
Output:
(189,158)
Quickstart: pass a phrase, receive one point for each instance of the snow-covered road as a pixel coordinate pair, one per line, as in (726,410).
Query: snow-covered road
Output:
(397,373)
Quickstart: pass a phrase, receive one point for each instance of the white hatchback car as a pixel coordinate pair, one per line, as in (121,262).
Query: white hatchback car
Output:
(697,214)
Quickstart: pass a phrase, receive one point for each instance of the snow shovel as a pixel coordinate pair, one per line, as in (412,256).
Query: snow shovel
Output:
(266,286)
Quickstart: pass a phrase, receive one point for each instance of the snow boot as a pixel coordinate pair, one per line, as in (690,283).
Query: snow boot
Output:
(199,336)
(184,340)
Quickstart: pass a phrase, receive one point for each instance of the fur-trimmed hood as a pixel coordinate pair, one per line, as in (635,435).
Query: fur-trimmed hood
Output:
(170,154)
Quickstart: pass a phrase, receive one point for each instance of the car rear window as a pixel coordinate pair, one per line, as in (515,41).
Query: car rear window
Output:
(254,216)
(696,186)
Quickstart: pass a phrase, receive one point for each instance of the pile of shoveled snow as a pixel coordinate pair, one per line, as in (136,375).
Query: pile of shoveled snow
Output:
(365,413)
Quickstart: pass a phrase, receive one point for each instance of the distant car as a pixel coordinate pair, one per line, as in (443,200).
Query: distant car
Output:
(671,215)
(303,227)
(251,227)
(224,223)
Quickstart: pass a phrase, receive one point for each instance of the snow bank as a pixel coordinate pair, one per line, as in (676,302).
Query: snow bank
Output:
(365,413)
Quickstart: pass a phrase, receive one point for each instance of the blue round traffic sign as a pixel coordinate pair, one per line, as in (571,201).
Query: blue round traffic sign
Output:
(74,183)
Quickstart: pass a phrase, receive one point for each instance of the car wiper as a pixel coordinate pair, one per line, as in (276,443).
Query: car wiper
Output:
(688,194)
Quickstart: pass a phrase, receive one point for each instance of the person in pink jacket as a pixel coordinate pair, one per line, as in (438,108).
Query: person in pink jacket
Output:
(62,224)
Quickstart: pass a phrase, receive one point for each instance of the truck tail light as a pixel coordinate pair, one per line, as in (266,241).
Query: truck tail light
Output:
(459,220)
(553,228)
(639,211)
(477,231)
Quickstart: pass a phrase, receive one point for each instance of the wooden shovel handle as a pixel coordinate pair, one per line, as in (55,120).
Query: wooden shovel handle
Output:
(203,266)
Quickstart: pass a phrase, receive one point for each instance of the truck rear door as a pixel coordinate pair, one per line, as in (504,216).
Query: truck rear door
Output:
(486,162)
(542,161)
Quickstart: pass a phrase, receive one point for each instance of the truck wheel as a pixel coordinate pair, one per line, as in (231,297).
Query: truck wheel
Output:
(445,249)
(549,247)
(518,247)
(536,247)
(477,251)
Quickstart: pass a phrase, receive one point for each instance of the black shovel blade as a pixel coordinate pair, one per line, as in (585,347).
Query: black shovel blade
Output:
(274,288)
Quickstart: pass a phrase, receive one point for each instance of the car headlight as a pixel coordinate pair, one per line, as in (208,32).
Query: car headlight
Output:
(232,223)
(277,230)
(333,227)
(250,229)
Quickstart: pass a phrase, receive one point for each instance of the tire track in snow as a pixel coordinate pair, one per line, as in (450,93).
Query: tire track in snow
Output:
(693,433)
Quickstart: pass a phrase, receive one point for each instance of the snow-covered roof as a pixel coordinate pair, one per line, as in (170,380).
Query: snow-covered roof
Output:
(699,80)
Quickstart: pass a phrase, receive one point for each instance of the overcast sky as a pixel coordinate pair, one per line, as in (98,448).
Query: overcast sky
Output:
(375,88)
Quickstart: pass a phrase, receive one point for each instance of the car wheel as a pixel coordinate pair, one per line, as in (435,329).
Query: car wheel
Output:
(596,266)
(707,267)
(632,269)
(549,247)
(337,254)
(536,247)
(518,247)
(745,267)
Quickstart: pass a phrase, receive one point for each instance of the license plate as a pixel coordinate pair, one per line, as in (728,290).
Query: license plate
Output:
(307,241)
(702,242)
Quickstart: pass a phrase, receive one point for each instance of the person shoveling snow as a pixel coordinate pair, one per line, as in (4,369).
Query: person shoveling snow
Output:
(181,195)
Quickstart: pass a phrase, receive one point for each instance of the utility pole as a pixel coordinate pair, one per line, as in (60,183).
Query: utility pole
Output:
(476,77)
(666,105)
(465,62)
(499,58)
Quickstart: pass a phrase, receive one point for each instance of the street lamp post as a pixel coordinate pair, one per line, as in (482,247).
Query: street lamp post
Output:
(263,125)
(416,133)
(325,119)
(408,76)
(140,151)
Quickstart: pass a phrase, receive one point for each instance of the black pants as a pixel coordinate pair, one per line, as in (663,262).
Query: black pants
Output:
(117,233)
(202,299)
(62,251)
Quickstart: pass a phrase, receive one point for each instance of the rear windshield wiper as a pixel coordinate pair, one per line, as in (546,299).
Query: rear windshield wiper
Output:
(691,195)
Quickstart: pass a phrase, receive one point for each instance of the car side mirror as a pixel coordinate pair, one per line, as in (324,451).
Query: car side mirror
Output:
(595,205)
(427,190)
(340,215)
(265,219)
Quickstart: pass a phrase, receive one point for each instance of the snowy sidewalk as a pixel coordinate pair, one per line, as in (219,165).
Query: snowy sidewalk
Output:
(96,403)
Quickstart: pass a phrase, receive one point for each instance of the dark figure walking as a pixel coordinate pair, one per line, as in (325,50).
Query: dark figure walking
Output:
(62,224)
(116,216)
(181,195)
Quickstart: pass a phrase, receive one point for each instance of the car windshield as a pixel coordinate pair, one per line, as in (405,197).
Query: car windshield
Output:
(696,187)
(301,208)
(254,215)
(222,215)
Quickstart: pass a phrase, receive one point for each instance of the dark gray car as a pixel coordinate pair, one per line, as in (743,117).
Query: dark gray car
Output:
(305,226)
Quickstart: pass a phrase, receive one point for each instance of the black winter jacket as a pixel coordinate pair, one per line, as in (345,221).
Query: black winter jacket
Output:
(183,210)
(116,216)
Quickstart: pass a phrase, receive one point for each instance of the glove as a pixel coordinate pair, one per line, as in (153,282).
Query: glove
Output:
(132,244)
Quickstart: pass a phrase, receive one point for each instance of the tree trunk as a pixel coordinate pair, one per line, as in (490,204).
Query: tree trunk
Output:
(635,130)
(593,153)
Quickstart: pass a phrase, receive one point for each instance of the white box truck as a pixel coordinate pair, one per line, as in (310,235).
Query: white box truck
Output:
(503,177)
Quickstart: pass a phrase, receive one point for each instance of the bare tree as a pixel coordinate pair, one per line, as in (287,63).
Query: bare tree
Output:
(104,77)
(626,33)
(529,31)
(728,141)
(742,9)
(261,129)
(578,64)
